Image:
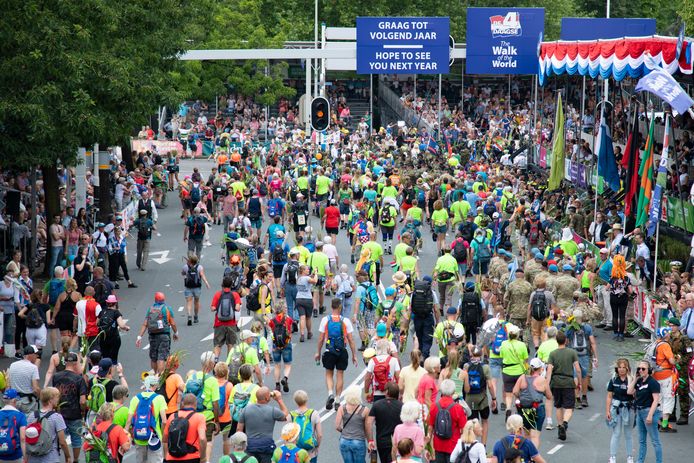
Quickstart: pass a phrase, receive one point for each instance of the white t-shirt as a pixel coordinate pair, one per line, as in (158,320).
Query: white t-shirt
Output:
(394,367)
(477,452)
(330,250)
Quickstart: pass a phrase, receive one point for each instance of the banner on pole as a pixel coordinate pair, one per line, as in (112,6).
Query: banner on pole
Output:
(503,40)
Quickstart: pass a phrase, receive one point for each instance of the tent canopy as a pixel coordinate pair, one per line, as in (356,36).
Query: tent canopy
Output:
(619,58)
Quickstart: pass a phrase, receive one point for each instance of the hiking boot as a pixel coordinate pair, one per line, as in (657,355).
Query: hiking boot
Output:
(329,403)
(578,405)
(683,421)
(190,321)
(561,432)
(584,401)
(667,429)
(309,335)
(549,425)
(277,387)
(285,384)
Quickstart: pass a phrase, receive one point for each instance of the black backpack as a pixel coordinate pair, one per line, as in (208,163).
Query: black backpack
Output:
(178,431)
(107,322)
(143,229)
(101,292)
(443,426)
(236,278)
(464,455)
(422,298)
(225,307)
(279,254)
(253,298)
(192,279)
(459,252)
(33,317)
(471,310)
(386,216)
(538,309)
(280,335)
(292,272)
(467,230)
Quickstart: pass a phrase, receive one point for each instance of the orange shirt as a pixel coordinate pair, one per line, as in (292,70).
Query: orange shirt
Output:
(173,383)
(116,437)
(662,354)
(196,425)
(222,159)
(225,417)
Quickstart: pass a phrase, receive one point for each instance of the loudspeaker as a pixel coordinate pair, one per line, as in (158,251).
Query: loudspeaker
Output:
(12,202)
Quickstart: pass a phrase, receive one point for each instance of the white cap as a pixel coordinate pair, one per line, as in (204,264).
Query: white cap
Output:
(536,363)
(495,215)
(245,334)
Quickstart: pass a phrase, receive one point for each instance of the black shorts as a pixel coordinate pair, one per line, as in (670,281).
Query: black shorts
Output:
(332,231)
(564,398)
(277,270)
(509,382)
(304,307)
(333,361)
(480,414)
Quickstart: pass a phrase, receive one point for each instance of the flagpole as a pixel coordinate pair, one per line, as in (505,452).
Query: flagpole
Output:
(534,128)
(657,239)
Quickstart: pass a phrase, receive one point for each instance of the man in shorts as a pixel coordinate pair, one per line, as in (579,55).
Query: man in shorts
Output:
(476,391)
(225,331)
(561,367)
(336,333)
(159,329)
(193,278)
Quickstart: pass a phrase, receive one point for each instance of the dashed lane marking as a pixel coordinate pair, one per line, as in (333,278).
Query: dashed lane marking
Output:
(180,309)
(208,337)
(555,449)
(595,417)
(146,347)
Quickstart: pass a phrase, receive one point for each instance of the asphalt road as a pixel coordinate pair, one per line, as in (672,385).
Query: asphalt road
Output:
(588,436)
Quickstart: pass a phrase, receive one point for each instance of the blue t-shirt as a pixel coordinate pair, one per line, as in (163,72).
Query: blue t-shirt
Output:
(272,234)
(167,314)
(15,419)
(605,271)
(527,449)
(370,195)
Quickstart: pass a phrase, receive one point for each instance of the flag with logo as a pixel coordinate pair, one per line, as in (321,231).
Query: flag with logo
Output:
(432,146)
(607,164)
(646,176)
(556,173)
(660,182)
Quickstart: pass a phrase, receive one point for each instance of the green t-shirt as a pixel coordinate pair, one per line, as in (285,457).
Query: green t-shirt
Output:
(547,348)
(443,331)
(415,212)
(250,355)
(514,353)
(460,210)
(389,192)
(408,263)
(400,251)
(375,248)
(301,457)
(446,263)
(318,262)
(238,457)
(302,182)
(120,416)
(322,185)
(570,248)
(159,404)
(210,391)
(393,215)
(562,361)
(239,187)
(304,254)
(440,217)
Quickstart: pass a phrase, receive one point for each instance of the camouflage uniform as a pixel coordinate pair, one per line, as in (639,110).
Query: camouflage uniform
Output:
(542,273)
(591,311)
(497,266)
(517,297)
(531,269)
(679,343)
(564,287)
(551,283)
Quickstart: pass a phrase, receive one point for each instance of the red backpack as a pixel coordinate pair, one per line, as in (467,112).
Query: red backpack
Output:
(534,233)
(381,374)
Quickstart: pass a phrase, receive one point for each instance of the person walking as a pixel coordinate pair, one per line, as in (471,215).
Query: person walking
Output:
(117,250)
(664,373)
(304,301)
(445,435)
(288,282)
(194,442)
(619,291)
(468,443)
(562,367)
(226,306)
(478,387)
(146,417)
(50,399)
(409,428)
(110,323)
(532,390)
(117,441)
(73,394)
(144,226)
(309,421)
(646,392)
(410,375)
(16,423)
(193,278)
(159,324)
(619,412)
(581,339)
(194,232)
(424,308)
(23,376)
(385,415)
(258,421)
(514,356)
(515,444)
(446,274)
(281,328)
(350,422)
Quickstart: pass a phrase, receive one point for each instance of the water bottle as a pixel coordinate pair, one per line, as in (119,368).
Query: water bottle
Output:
(373,457)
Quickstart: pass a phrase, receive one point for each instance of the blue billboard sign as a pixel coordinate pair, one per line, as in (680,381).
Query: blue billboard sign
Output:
(503,40)
(402,45)
(606,28)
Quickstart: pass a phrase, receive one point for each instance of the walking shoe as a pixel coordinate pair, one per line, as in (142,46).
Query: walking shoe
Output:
(584,401)
(508,413)
(337,404)
(321,310)
(309,335)
(301,338)
(295,327)
(285,384)
(277,387)
(578,405)
(495,410)
(18,356)
(550,424)
(329,403)
(195,319)
(362,348)
(190,321)
(612,460)
(683,421)
(352,258)
(630,459)
(667,429)
(561,431)
(590,386)
(132,285)
(117,286)
(503,406)
(315,313)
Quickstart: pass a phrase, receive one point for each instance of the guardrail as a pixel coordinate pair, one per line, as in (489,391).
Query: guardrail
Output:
(409,115)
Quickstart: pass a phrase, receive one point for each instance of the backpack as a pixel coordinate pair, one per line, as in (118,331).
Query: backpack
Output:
(156,320)
(292,272)
(579,341)
(467,229)
(534,233)
(289,455)
(464,455)
(107,323)
(240,401)
(144,422)
(43,444)
(178,432)
(236,278)
(97,394)
(476,378)
(336,336)
(273,207)
(253,298)
(196,227)
(238,358)
(500,337)
(254,208)
(471,312)
(381,374)
(459,252)
(195,194)
(279,254)
(196,386)
(370,302)
(386,216)
(538,306)
(307,438)
(443,425)
(280,335)
(484,252)
(143,229)
(652,355)
(9,435)
(262,189)
(33,320)
(225,307)
(96,456)
(192,279)
(55,288)
(422,298)
(688,323)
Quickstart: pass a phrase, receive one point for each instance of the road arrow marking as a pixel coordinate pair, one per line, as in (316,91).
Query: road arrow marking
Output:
(180,309)
(243,321)
(208,337)
(164,256)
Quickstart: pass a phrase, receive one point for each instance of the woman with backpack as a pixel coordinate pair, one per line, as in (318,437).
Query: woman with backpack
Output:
(531,390)
(110,323)
(468,448)
(620,290)
(34,316)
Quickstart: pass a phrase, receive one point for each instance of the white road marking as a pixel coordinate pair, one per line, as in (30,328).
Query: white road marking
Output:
(382,289)
(357,381)
(180,309)
(595,417)
(245,320)
(164,256)
(555,449)
(146,347)
(208,337)
(168,286)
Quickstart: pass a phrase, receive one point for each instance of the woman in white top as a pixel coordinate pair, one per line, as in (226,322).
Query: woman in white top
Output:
(468,440)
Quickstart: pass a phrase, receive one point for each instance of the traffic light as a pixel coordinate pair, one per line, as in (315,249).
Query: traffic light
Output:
(320,114)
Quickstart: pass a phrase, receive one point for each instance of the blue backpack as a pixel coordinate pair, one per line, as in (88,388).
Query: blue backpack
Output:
(196,386)
(223,398)
(9,435)
(195,195)
(289,455)
(336,336)
(144,422)
(370,302)
(501,336)
(307,438)
(55,288)
(273,207)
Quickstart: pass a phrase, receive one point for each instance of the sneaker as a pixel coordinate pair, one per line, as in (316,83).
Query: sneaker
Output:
(117,286)
(630,459)
(549,425)
(132,285)
(584,401)
(612,460)
(683,421)
(285,384)
(301,338)
(329,403)
(190,321)
(321,310)
(503,406)
(315,313)
(561,431)
(362,348)
(495,410)
(337,404)
(667,429)
(18,356)
(578,406)
(277,387)
(195,319)
(309,335)
(590,387)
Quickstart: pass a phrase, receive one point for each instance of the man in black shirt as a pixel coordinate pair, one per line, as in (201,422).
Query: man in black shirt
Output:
(73,400)
(386,414)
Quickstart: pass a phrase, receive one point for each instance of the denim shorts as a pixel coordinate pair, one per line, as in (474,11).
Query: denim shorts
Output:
(256,223)
(192,292)
(584,363)
(495,365)
(74,429)
(284,355)
(440,229)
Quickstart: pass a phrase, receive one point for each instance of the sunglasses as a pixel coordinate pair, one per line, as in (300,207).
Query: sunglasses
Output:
(641,369)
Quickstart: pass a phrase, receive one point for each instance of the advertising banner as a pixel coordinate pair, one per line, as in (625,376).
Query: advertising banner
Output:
(503,40)
(605,28)
(403,45)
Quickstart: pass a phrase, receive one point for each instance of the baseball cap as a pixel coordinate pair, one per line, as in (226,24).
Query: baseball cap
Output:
(31,349)
(567,268)
(427,278)
(390,291)
(105,366)
(451,311)
(381,329)
(10,394)
(495,215)
(553,268)
(538,255)
(159,297)
(536,363)
(72,357)
(245,334)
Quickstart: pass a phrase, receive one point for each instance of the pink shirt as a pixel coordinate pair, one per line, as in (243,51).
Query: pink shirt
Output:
(427,383)
(411,430)
(229,204)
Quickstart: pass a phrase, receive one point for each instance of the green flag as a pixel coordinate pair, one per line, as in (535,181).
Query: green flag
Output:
(646,175)
(556,173)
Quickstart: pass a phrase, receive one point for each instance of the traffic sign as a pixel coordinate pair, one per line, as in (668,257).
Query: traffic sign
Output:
(410,45)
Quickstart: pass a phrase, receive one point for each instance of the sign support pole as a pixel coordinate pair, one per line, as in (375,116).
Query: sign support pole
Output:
(415,91)
(509,92)
(438,116)
(535,108)
(371,103)
(307,102)
(583,109)
(462,87)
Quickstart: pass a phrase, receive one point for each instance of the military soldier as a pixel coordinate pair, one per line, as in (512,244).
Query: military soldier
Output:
(534,266)
(564,287)
(499,263)
(591,311)
(516,299)
(682,350)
